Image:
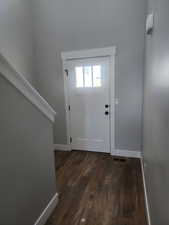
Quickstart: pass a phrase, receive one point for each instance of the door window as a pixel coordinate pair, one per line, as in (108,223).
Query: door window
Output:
(88,76)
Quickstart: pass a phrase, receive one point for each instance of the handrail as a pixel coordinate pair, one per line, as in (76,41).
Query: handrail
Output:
(8,71)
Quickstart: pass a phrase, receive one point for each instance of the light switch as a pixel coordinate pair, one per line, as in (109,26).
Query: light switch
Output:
(150,24)
(116,101)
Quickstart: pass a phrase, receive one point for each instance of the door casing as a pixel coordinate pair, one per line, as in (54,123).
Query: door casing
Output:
(91,53)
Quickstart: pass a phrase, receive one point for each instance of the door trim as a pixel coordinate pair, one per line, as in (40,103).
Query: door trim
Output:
(92,53)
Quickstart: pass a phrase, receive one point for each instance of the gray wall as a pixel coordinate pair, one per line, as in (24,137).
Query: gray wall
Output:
(62,25)
(16,39)
(156,114)
(26,159)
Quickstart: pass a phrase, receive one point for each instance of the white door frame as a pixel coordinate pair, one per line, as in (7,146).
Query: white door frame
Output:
(92,53)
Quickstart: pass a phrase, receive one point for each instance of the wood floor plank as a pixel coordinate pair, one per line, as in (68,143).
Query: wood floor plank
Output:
(97,189)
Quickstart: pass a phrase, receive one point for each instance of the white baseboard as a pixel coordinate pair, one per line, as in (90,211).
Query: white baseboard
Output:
(126,153)
(48,210)
(145,194)
(62,147)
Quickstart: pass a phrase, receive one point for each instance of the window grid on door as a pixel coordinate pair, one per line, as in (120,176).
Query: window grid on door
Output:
(88,76)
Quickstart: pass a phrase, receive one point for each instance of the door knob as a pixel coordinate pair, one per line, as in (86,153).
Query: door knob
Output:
(106,113)
(106,106)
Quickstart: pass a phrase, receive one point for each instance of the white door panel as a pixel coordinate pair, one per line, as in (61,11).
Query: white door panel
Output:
(88,95)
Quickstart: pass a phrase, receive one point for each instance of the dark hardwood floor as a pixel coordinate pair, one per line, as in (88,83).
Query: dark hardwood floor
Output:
(97,189)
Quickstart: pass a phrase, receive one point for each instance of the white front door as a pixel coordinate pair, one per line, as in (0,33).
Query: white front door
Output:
(89,104)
